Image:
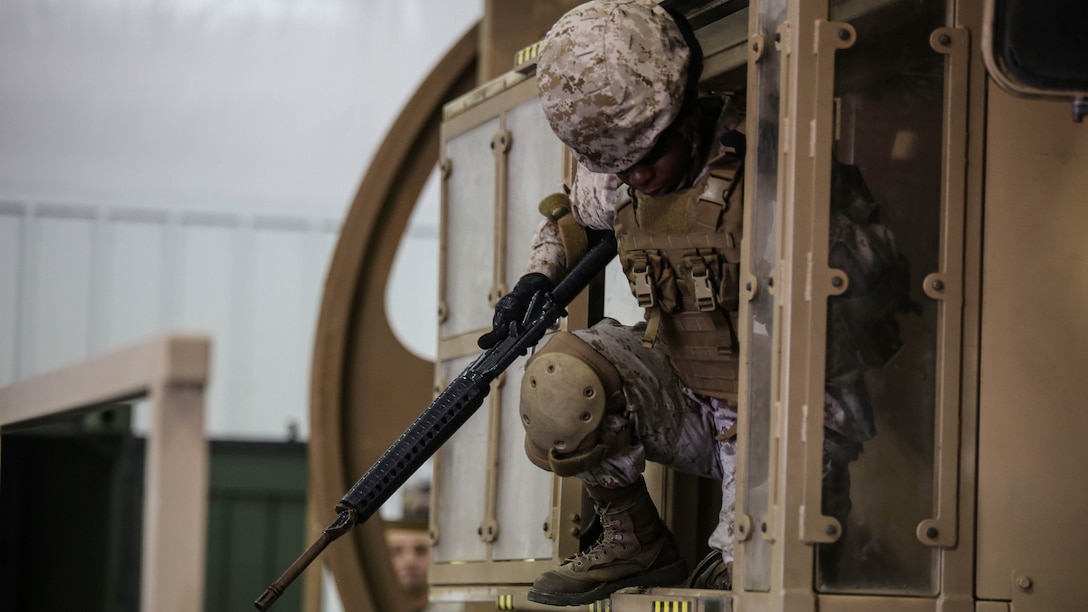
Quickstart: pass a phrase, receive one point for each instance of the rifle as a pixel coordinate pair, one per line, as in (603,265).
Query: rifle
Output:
(448,412)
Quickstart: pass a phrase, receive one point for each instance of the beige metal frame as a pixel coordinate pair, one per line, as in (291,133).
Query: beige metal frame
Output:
(488,102)
(803,283)
(171,371)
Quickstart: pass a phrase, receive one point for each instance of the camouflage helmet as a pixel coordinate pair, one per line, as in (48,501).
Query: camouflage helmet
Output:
(612,76)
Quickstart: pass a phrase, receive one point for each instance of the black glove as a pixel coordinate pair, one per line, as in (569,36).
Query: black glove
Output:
(512,306)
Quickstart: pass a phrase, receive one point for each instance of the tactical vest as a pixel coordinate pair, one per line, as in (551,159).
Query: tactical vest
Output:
(681,255)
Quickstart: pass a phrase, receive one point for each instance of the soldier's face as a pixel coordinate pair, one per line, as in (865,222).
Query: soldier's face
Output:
(410,552)
(663,169)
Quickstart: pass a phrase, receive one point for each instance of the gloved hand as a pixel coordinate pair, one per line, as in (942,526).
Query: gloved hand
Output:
(512,307)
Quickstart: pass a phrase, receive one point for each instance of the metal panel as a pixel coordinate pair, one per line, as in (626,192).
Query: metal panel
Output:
(275,372)
(208,281)
(59,281)
(11,258)
(470,218)
(500,160)
(134,265)
(77,279)
(757,318)
(900,133)
(460,483)
(256,520)
(1032,457)
(536,170)
(523,490)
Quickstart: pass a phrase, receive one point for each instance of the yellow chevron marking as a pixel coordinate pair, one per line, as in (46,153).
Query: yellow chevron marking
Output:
(526,55)
(672,606)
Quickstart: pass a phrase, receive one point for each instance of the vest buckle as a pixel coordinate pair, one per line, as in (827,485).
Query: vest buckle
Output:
(641,284)
(700,280)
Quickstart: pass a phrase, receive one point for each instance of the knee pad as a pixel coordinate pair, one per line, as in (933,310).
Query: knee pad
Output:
(566,391)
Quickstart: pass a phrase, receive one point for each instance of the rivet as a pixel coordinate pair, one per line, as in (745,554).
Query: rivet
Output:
(748,286)
(778,37)
(836,281)
(844,34)
(763,527)
(938,285)
(770,282)
(479,531)
(577,518)
(740,529)
(546,525)
(1024,583)
(831,530)
(932,533)
(944,39)
(574,531)
(755,46)
(588,392)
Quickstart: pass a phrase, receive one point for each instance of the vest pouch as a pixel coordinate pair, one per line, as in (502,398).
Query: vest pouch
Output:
(711,281)
(729,288)
(652,281)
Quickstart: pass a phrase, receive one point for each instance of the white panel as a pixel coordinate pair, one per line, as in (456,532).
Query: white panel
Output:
(536,170)
(470,218)
(462,483)
(11,259)
(207,287)
(133,306)
(59,297)
(525,491)
(276,371)
(411,295)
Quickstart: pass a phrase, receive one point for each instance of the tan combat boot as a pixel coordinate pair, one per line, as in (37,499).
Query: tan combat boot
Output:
(636,549)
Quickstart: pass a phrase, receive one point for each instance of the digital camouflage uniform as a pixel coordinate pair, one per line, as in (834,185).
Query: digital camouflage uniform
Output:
(613,75)
(676,426)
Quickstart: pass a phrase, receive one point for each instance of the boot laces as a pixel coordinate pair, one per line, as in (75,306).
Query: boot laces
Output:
(609,541)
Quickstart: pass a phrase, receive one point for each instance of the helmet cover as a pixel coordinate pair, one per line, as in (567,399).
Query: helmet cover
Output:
(611,76)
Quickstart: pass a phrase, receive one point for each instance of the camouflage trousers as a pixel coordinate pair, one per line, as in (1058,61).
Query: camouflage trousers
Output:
(664,422)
